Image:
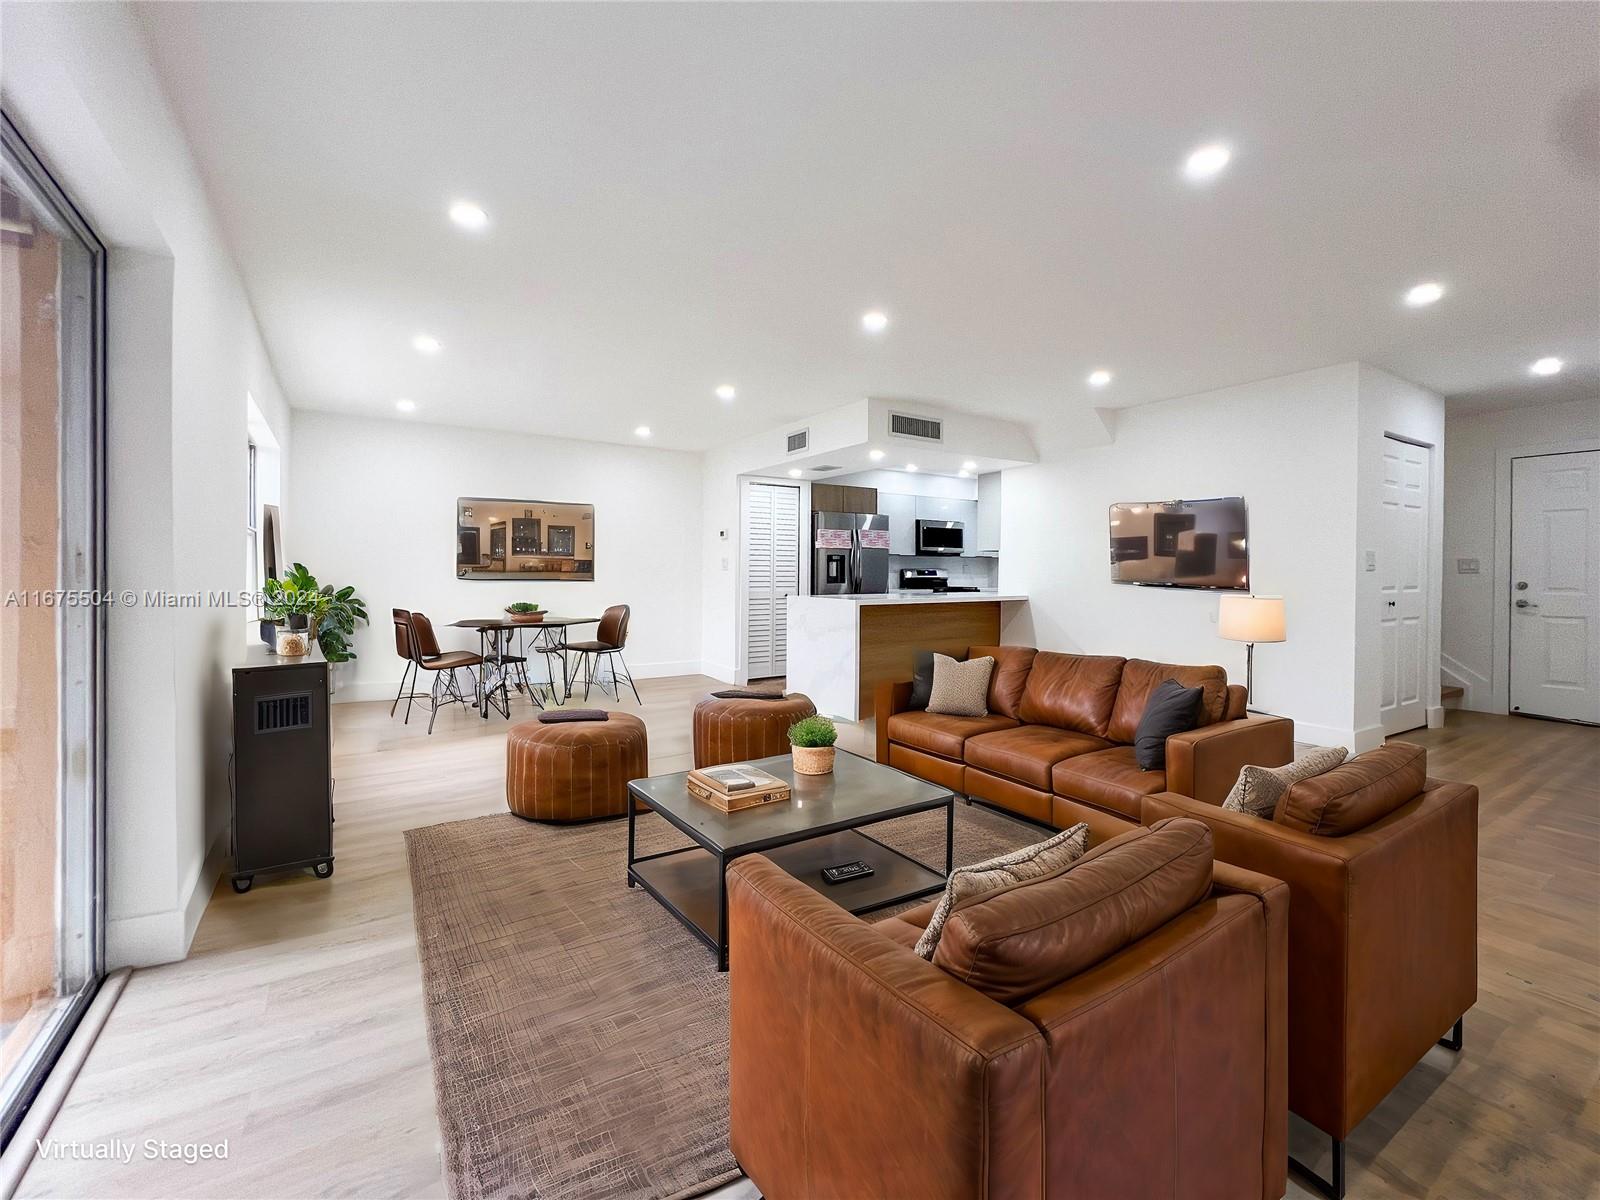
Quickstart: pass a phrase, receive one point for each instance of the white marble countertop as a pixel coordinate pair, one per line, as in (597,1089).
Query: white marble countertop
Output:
(920,597)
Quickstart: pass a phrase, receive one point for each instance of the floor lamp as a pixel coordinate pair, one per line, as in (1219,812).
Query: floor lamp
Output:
(1250,619)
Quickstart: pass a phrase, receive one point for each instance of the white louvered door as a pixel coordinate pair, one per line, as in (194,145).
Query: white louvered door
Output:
(772,557)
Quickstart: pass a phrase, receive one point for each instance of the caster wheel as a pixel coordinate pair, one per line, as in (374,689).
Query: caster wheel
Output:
(322,870)
(243,885)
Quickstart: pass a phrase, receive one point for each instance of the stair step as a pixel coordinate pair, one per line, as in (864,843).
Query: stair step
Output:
(1451,693)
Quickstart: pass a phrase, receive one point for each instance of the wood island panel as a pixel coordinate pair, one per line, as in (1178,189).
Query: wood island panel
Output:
(891,635)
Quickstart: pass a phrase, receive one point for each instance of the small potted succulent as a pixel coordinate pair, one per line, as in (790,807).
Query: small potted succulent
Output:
(524,612)
(811,742)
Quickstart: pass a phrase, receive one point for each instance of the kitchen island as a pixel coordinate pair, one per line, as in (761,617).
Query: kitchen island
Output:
(841,647)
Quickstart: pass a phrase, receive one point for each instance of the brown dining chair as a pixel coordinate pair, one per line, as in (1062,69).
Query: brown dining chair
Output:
(608,642)
(408,674)
(426,654)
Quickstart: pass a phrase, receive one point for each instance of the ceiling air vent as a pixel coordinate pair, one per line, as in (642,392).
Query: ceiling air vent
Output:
(821,467)
(923,429)
(799,440)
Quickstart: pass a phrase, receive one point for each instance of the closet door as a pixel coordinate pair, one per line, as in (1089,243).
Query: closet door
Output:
(772,558)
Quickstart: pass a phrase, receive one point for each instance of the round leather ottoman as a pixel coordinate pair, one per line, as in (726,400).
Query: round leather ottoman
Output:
(728,730)
(574,771)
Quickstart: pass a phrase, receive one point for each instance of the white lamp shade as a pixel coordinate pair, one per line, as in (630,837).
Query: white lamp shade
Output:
(1251,618)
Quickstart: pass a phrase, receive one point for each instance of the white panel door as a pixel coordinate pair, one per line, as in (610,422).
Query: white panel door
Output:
(1403,585)
(772,563)
(1555,586)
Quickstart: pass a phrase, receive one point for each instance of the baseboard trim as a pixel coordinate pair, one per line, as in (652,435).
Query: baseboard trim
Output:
(1324,735)
(1436,717)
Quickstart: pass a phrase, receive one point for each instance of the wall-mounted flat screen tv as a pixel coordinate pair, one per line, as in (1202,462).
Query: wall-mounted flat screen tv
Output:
(523,539)
(1182,543)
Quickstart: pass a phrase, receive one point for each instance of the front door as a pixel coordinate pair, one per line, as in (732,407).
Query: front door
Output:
(1555,586)
(1403,585)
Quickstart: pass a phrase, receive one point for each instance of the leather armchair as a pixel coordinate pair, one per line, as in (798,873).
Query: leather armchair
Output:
(1382,942)
(861,1070)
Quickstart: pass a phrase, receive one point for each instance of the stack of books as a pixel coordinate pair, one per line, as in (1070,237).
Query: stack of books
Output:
(736,786)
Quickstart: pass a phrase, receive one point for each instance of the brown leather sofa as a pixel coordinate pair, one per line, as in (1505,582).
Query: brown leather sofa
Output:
(1383,866)
(1150,1067)
(1057,747)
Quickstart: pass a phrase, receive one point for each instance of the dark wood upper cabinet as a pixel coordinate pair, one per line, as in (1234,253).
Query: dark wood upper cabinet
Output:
(834,497)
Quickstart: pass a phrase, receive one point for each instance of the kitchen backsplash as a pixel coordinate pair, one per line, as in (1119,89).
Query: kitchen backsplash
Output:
(964,572)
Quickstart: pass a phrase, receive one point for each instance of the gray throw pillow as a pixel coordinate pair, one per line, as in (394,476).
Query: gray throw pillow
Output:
(960,689)
(1259,789)
(1030,862)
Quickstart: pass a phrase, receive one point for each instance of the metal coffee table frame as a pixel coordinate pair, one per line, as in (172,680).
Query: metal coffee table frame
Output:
(829,836)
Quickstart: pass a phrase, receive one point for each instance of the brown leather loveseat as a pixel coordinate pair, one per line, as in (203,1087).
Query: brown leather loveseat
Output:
(1057,744)
(1113,1030)
(1382,864)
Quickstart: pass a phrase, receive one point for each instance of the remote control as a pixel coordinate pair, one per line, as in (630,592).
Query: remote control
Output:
(846,871)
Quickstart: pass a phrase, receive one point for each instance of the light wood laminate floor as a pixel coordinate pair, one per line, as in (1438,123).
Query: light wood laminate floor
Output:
(295,1029)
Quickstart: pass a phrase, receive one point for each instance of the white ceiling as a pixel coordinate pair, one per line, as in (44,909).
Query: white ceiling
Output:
(683,195)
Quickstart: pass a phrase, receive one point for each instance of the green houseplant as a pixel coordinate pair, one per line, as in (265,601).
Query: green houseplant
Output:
(327,614)
(525,612)
(811,742)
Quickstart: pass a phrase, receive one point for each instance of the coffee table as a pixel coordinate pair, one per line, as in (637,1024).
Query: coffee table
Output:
(820,825)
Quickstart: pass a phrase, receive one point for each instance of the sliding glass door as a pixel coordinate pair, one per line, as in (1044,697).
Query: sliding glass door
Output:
(52,292)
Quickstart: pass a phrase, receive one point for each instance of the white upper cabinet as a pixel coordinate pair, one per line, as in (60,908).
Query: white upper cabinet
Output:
(902,513)
(983,536)
(938,508)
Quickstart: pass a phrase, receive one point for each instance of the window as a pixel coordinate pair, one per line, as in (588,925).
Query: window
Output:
(252,532)
(52,339)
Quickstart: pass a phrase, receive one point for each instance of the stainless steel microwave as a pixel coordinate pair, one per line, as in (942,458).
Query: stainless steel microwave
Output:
(940,537)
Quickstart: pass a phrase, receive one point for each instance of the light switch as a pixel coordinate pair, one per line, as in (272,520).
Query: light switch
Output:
(724,564)
(1372,560)
(1466,566)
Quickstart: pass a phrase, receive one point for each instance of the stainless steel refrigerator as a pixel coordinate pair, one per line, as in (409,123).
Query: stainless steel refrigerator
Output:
(849,553)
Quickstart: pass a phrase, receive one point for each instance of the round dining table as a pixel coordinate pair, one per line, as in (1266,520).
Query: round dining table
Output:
(494,641)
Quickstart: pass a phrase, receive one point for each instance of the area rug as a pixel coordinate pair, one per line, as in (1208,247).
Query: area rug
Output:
(579,1033)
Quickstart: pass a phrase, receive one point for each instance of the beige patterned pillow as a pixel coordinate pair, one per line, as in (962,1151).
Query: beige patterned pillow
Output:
(1028,863)
(960,689)
(1260,788)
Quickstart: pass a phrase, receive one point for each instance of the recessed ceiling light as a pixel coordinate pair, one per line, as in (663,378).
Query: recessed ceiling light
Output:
(1424,294)
(642,431)
(964,473)
(726,392)
(875,455)
(969,465)
(795,472)
(469,216)
(1099,378)
(1207,161)
(406,405)
(911,466)
(874,321)
(426,344)
(1547,366)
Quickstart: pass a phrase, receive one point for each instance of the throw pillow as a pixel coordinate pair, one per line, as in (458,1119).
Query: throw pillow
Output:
(1172,708)
(921,681)
(960,689)
(1031,862)
(1259,789)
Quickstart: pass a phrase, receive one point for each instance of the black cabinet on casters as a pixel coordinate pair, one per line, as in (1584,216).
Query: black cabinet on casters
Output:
(281,771)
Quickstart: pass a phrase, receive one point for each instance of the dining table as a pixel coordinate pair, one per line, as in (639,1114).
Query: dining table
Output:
(494,641)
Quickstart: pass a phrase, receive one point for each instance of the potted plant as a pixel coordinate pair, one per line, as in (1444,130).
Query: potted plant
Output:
(525,612)
(303,611)
(811,742)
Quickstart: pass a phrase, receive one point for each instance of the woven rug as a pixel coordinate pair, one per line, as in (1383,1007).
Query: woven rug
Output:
(579,1033)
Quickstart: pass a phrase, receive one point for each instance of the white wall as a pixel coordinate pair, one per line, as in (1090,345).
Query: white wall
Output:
(1288,446)
(1389,406)
(1478,448)
(376,502)
(183,350)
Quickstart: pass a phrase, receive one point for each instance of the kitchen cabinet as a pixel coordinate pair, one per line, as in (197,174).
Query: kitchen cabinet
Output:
(983,539)
(902,513)
(835,497)
(941,508)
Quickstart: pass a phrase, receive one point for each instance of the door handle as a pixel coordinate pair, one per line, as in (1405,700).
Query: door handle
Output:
(1390,603)
(1526,604)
